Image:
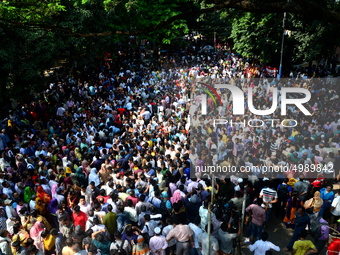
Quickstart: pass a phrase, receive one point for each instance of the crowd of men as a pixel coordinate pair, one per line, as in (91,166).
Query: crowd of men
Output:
(105,162)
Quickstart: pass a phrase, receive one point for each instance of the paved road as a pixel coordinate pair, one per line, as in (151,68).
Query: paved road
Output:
(278,235)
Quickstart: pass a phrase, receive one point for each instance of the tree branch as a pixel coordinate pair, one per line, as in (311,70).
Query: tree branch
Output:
(303,7)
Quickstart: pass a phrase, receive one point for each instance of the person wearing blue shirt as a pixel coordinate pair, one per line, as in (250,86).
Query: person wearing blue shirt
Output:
(149,172)
(103,204)
(122,218)
(187,169)
(5,138)
(283,189)
(301,220)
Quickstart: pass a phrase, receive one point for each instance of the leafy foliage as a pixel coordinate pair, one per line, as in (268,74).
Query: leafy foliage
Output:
(258,35)
(35,34)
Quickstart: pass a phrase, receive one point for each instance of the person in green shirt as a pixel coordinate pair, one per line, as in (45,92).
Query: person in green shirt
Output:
(163,169)
(101,243)
(299,138)
(337,132)
(303,246)
(110,220)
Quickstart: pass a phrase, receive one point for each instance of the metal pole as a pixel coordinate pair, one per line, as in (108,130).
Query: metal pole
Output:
(212,188)
(283,38)
(244,207)
(210,211)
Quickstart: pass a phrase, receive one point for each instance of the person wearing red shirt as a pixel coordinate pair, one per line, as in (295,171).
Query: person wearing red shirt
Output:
(334,246)
(103,195)
(133,198)
(79,217)
(121,110)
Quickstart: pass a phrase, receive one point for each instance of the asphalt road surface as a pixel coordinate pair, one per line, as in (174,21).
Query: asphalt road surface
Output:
(279,234)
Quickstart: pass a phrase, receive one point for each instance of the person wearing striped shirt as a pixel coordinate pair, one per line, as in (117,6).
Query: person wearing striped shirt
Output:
(269,196)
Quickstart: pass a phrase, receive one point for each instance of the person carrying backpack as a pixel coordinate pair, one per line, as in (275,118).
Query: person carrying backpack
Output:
(320,231)
(118,245)
(284,192)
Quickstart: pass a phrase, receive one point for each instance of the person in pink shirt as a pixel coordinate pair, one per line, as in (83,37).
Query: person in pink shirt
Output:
(133,198)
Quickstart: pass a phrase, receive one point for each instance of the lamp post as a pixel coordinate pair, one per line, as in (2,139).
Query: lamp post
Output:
(210,208)
(283,38)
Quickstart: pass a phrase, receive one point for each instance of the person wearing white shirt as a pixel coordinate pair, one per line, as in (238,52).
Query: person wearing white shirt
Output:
(146,114)
(99,227)
(84,206)
(113,203)
(99,213)
(335,207)
(149,225)
(10,211)
(32,203)
(61,111)
(7,190)
(261,246)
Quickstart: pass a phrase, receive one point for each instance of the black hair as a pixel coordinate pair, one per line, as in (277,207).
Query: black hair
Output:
(264,236)
(303,233)
(54,232)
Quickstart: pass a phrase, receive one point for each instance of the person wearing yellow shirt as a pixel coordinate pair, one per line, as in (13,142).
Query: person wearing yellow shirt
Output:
(294,132)
(49,242)
(150,143)
(225,164)
(209,130)
(224,138)
(303,246)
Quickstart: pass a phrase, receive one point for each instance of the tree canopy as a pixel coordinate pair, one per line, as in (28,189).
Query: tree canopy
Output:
(36,34)
(140,17)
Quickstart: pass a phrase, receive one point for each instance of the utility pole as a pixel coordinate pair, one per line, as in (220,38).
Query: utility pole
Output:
(244,207)
(210,211)
(283,38)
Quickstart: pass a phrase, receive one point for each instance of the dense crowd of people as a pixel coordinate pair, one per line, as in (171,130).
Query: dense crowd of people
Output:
(105,162)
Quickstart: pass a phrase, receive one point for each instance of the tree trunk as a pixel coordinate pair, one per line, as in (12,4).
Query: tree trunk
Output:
(316,68)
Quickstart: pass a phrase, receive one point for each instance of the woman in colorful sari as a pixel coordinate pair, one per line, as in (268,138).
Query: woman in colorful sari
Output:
(20,234)
(80,176)
(68,170)
(68,182)
(292,205)
(327,196)
(316,203)
(175,197)
(54,190)
(167,202)
(292,182)
(72,199)
(140,248)
(43,195)
(38,217)
(28,193)
(35,234)
(40,207)
(86,168)
(78,154)
(52,209)
(93,177)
